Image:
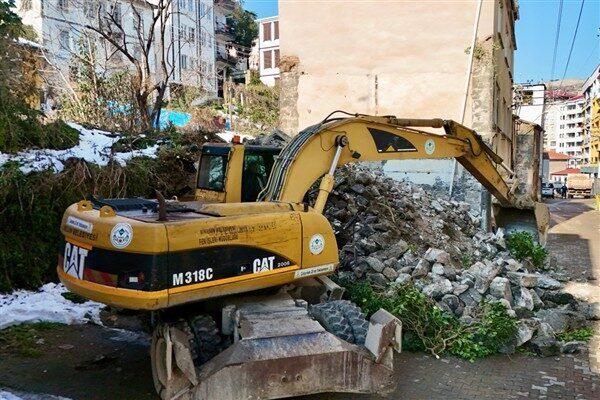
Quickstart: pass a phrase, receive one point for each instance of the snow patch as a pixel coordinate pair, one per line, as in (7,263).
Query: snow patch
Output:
(5,394)
(47,304)
(94,147)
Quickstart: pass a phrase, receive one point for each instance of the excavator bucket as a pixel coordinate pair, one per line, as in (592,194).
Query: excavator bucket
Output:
(534,220)
(278,351)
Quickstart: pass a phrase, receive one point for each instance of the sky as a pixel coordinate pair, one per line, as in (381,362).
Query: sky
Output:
(536,31)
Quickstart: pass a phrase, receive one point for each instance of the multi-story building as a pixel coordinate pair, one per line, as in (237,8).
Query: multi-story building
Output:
(232,58)
(530,101)
(191,41)
(268,50)
(591,115)
(63,30)
(414,64)
(557,92)
(569,133)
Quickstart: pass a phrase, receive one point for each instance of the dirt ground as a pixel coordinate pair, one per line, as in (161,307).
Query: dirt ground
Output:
(92,362)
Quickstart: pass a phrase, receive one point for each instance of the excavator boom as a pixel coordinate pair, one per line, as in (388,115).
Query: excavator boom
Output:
(310,154)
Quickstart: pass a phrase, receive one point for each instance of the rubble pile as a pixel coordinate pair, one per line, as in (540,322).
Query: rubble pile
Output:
(392,233)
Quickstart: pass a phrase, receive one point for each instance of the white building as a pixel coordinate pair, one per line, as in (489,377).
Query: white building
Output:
(192,43)
(61,27)
(268,50)
(569,132)
(530,102)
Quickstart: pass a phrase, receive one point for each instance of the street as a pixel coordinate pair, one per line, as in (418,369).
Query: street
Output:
(105,364)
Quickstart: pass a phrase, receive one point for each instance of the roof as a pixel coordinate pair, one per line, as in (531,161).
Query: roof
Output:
(555,156)
(567,171)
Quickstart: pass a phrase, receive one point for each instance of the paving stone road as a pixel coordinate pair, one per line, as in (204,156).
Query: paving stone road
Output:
(99,367)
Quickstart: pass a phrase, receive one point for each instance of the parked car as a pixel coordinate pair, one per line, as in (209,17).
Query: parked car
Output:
(548,190)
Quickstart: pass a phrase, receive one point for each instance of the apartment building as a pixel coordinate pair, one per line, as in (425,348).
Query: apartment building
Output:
(591,118)
(557,92)
(192,44)
(569,133)
(406,58)
(62,30)
(268,50)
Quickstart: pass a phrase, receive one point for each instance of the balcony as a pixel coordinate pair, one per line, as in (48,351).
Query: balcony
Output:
(223,33)
(226,6)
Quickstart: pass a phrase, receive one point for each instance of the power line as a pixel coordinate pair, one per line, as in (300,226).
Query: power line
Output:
(573,41)
(558,21)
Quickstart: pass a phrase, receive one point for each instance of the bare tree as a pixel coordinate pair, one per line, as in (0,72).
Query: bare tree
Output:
(149,87)
(140,38)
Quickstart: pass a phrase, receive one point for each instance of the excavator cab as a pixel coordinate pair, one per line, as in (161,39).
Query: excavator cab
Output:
(233,173)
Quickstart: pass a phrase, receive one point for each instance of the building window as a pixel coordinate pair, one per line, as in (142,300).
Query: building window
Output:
(276,58)
(64,39)
(266,31)
(25,5)
(138,23)
(276,29)
(115,11)
(527,97)
(192,34)
(137,52)
(267,60)
(183,61)
(88,9)
(63,5)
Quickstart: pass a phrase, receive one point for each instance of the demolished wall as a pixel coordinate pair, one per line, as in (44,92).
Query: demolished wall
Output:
(395,234)
(528,153)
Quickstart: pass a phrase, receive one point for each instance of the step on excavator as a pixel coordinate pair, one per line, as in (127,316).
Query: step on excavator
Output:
(236,277)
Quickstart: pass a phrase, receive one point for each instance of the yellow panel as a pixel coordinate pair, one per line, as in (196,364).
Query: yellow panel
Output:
(233,180)
(147,238)
(279,233)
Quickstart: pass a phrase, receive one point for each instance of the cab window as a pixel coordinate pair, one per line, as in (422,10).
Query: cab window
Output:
(212,172)
(257,168)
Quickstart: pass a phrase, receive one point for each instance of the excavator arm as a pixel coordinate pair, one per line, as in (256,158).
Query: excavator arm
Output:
(318,150)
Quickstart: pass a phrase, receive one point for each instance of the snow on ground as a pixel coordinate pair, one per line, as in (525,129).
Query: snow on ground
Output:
(94,146)
(6,394)
(47,304)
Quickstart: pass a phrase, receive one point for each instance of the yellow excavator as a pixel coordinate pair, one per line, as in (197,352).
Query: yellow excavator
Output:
(204,267)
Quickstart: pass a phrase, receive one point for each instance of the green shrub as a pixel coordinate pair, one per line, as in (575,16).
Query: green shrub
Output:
(582,334)
(427,327)
(261,105)
(31,206)
(522,246)
(466,260)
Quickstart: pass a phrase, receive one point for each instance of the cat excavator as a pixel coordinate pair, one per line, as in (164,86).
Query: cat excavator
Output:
(236,278)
